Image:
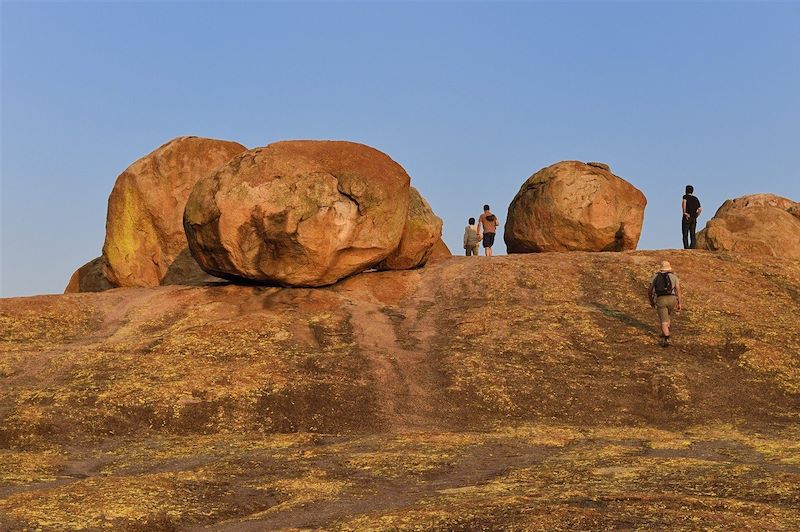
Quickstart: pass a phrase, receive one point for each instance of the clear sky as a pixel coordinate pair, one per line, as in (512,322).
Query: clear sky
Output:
(471,98)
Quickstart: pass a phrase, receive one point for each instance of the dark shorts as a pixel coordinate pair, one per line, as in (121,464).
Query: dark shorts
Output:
(488,240)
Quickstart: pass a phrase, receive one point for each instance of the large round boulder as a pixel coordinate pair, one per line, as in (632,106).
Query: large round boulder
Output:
(759,224)
(144,225)
(298,213)
(573,206)
(423,229)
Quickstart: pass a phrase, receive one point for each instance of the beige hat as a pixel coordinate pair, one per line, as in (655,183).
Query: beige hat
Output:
(665,267)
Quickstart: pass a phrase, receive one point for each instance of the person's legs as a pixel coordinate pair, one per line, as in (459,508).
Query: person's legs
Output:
(685,231)
(692,231)
(663,316)
(488,242)
(476,249)
(665,305)
(664,333)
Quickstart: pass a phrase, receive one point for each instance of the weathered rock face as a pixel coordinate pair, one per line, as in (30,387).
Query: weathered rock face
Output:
(298,213)
(422,231)
(440,251)
(603,166)
(89,278)
(572,206)
(760,224)
(144,227)
(202,407)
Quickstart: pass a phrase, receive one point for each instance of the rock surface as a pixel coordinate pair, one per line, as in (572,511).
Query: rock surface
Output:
(602,166)
(298,213)
(440,251)
(89,278)
(422,231)
(144,225)
(398,398)
(760,224)
(572,206)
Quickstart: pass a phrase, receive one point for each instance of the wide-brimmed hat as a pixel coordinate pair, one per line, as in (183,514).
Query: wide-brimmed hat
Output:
(665,267)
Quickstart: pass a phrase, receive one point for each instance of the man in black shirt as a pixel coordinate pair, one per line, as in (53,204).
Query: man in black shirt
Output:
(691,210)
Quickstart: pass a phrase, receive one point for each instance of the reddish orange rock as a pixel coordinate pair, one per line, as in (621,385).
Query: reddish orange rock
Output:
(440,251)
(422,231)
(574,206)
(758,224)
(144,229)
(89,278)
(298,213)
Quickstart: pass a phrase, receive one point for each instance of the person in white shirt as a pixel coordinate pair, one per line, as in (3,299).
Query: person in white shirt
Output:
(472,238)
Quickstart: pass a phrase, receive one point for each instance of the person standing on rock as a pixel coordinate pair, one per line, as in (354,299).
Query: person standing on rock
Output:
(666,296)
(472,238)
(691,210)
(489,223)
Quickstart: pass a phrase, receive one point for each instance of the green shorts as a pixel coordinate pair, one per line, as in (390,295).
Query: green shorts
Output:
(665,305)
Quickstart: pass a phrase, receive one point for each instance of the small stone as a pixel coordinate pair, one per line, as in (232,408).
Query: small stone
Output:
(604,166)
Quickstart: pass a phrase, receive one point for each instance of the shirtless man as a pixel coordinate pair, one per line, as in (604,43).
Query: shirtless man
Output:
(489,223)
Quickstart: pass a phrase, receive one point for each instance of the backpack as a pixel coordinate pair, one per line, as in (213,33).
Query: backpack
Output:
(663,284)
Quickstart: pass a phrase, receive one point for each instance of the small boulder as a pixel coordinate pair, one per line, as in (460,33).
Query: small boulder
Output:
(144,225)
(573,206)
(440,251)
(422,231)
(603,166)
(759,224)
(89,278)
(298,213)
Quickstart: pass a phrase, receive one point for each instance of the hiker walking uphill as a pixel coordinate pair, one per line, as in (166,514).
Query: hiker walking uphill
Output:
(691,210)
(472,238)
(666,297)
(489,223)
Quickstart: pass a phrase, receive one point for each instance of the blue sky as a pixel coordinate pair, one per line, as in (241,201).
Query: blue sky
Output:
(471,98)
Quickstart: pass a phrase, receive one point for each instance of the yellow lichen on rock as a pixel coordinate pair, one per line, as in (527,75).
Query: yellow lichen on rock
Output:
(515,392)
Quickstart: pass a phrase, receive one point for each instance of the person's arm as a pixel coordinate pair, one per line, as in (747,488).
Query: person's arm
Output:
(683,208)
(680,297)
(651,294)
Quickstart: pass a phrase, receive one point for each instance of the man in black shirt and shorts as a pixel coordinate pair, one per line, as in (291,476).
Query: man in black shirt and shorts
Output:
(691,210)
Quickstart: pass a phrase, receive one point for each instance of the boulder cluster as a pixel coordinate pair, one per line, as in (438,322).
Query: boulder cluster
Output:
(575,206)
(309,213)
(295,213)
(759,224)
